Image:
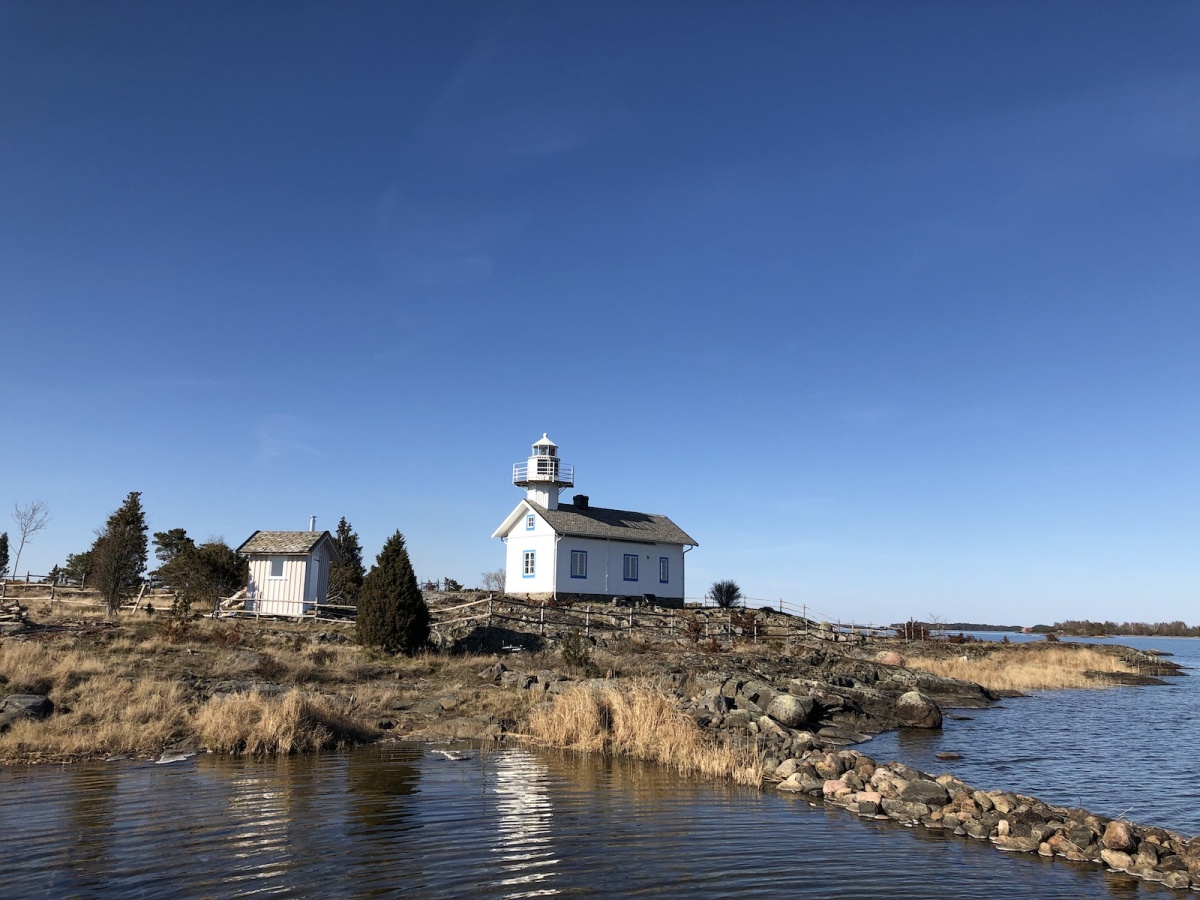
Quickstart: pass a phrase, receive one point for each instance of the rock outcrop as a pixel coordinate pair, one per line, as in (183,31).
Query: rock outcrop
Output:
(13,618)
(16,707)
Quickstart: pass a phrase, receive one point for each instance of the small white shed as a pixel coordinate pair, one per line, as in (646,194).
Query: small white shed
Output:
(289,571)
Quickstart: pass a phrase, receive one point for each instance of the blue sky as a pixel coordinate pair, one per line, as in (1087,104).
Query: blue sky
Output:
(893,307)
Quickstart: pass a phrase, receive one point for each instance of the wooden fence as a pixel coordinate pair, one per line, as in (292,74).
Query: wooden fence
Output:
(703,623)
(646,622)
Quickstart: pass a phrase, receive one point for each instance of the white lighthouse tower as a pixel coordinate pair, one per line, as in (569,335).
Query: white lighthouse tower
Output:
(543,475)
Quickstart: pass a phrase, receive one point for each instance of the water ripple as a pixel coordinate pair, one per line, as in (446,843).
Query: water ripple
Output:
(391,821)
(1121,750)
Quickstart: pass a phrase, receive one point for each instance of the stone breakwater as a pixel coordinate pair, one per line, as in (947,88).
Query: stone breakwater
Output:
(1012,822)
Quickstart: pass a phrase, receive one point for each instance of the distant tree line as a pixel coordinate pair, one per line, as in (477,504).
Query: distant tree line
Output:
(1088,628)
(1072,627)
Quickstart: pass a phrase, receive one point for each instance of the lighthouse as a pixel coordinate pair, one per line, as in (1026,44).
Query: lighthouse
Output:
(584,552)
(543,475)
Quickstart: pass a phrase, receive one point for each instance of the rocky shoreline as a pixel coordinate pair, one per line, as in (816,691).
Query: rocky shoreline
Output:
(796,708)
(1012,822)
(802,711)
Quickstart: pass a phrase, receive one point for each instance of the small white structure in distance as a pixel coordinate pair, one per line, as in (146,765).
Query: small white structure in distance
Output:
(586,552)
(289,571)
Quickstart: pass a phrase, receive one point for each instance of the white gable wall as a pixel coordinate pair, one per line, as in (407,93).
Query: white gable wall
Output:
(304,584)
(541,541)
(278,596)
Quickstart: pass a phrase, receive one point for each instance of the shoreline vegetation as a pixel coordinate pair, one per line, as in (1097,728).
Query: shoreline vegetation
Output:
(754,714)
(1017,668)
(138,685)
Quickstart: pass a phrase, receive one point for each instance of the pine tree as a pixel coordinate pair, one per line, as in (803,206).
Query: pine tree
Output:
(391,611)
(119,554)
(199,574)
(346,575)
(3,554)
(169,544)
(78,567)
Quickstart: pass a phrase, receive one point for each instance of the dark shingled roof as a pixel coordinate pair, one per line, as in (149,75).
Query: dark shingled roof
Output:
(283,542)
(615,524)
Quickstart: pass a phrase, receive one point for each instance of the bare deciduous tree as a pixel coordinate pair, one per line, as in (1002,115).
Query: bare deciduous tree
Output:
(30,519)
(494,581)
(938,622)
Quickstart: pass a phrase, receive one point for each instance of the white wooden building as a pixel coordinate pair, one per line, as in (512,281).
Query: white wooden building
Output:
(585,552)
(289,571)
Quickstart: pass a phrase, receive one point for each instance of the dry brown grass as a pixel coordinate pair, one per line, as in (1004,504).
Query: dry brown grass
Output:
(129,693)
(36,669)
(641,722)
(292,723)
(101,712)
(1027,669)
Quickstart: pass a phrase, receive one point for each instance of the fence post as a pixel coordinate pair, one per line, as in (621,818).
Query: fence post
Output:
(542,619)
(631,620)
(756,629)
(587,620)
(53,585)
(489,621)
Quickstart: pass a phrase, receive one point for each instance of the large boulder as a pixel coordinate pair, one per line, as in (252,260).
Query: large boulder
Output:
(1118,836)
(756,696)
(1117,859)
(890,658)
(928,792)
(789,710)
(493,673)
(918,711)
(16,707)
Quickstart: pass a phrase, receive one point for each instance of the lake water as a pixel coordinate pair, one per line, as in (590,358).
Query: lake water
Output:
(403,820)
(1119,750)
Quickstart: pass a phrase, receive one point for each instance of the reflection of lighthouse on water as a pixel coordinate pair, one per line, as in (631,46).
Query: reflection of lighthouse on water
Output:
(524,851)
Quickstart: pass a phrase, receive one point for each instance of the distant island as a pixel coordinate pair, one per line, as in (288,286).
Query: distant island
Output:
(1071,628)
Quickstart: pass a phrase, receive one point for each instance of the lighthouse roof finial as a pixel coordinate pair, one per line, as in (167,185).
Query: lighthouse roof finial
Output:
(545,442)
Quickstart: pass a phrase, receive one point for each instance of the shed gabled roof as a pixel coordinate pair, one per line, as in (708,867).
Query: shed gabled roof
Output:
(286,543)
(605,524)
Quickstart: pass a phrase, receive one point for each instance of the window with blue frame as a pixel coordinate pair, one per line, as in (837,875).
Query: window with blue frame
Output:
(527,569)
(631,566)
(579,564)
(530,522)
(663,570)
